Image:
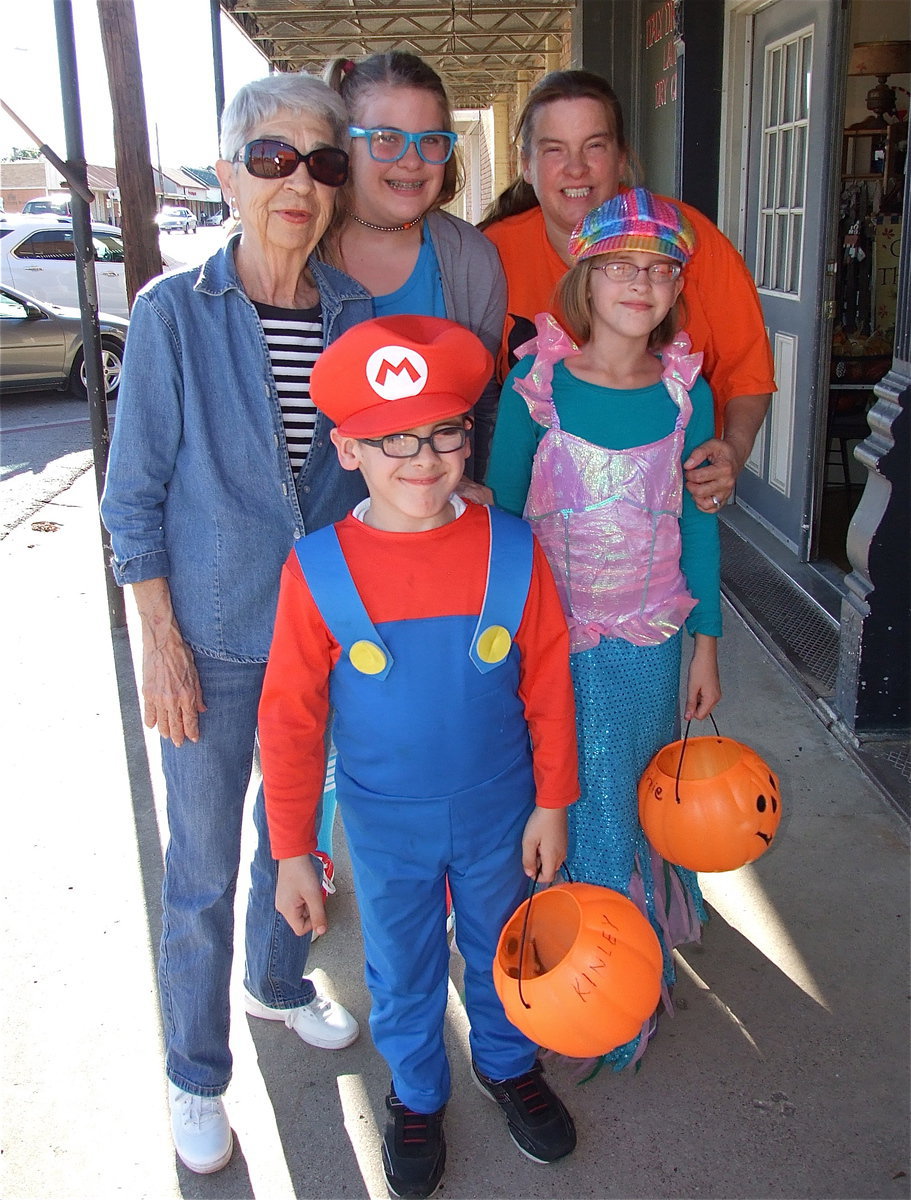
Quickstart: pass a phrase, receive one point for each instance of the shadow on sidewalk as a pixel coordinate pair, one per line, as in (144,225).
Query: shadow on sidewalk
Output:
(142,795)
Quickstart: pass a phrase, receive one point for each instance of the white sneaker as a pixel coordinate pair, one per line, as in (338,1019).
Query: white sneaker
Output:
(199,1125)
(322,1022)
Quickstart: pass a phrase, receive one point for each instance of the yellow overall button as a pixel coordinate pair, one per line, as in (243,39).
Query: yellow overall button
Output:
(494,644)
(367,658)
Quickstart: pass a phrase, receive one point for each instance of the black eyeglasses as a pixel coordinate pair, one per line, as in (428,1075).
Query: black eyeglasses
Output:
(408,445)
(434,146)
(267,158)
(619,271)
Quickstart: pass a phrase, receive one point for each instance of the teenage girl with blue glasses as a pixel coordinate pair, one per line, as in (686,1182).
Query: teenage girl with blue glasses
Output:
(391,235)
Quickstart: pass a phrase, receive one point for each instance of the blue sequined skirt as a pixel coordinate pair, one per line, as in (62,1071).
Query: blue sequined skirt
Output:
(626,708)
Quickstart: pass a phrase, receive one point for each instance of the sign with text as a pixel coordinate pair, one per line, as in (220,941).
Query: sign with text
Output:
(660,82)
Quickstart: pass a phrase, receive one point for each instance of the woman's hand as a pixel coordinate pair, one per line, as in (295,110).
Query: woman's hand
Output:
(544,843)
(712,483)
(703,688)
(171,692)
(299,896)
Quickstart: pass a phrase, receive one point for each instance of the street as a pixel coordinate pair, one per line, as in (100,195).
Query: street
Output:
(45,438)
(45,444)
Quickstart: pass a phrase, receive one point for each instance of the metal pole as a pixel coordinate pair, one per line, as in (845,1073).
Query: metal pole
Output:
(218,65)
(160,173)
(85,280)
(74,184)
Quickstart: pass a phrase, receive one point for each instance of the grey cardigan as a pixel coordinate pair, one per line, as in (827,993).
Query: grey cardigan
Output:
(474,290)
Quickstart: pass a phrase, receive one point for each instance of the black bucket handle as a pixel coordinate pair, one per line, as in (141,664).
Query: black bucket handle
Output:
(532,885)
(683,749)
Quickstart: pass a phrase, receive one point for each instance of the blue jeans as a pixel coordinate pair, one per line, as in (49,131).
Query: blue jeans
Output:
(206,784)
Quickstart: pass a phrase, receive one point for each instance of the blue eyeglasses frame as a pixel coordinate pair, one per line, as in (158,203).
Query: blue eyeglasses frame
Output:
(414,139)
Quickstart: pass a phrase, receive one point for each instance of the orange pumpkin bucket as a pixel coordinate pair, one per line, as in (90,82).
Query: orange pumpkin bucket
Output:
(590,969)
(709,804)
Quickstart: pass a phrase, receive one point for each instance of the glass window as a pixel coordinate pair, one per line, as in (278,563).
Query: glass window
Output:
(47,243)
(11,308)
(108,247)
(773,86)
(782,187)
(59,207)
(796,243)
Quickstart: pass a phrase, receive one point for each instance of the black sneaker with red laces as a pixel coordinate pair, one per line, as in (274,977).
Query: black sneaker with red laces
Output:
(414,1150)
(537,1119)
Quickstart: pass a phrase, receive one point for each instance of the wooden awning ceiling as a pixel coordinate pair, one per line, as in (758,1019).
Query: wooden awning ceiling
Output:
(481,48)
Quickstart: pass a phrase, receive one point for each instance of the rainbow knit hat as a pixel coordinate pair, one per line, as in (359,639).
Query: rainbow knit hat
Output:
(634,220)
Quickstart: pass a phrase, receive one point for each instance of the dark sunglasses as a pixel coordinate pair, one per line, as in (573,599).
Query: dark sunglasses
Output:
(267,158)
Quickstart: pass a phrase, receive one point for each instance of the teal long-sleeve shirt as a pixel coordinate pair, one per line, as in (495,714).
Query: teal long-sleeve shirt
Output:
(617,420)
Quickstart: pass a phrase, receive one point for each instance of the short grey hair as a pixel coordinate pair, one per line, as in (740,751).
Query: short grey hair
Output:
(263,99)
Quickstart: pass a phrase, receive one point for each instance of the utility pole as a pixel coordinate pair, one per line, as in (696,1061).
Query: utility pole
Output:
(158,160)
(117,21)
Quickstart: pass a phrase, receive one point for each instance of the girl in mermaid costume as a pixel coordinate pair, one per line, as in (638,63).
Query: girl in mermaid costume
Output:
(589,445)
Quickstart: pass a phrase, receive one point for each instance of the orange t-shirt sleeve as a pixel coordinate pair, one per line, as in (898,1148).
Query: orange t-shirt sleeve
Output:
(533,270)
(724,317)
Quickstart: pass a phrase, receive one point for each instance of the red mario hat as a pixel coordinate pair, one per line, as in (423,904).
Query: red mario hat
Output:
(395,373)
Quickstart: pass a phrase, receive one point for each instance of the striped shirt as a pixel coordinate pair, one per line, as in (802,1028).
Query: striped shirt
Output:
(294,337)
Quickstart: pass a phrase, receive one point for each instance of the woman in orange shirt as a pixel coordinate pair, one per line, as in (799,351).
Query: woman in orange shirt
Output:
(573,157)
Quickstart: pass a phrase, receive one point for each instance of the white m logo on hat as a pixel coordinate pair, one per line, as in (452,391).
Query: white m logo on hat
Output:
(395,372)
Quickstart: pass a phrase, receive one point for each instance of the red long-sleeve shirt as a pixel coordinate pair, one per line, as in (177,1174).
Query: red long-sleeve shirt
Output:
(439,572)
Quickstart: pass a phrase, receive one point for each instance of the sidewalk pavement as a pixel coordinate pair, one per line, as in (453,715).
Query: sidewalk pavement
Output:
(783,1074)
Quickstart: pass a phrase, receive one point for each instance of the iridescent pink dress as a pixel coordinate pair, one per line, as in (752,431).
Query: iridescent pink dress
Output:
(609,523)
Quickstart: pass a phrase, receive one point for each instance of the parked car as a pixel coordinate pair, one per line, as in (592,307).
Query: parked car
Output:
(37,256)
(214,219)
(59,206)
(41,346)
(171,218)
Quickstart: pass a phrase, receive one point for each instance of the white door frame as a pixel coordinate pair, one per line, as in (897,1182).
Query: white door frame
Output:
(735,115)
(733,170)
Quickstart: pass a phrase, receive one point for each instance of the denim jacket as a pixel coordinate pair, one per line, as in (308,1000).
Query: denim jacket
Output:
(199,484)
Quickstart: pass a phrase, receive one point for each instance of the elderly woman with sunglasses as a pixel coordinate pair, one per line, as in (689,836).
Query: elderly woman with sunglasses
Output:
(390,232)
(218,461)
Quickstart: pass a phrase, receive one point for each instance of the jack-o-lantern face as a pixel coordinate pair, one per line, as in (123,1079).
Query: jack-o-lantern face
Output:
(722,812)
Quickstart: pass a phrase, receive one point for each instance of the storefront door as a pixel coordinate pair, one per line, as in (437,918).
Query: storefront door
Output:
(789,159)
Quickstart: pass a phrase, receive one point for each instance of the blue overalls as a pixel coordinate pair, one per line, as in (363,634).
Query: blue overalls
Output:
(434,779)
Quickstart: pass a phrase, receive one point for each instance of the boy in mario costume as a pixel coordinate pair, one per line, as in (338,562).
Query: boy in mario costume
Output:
(432,628)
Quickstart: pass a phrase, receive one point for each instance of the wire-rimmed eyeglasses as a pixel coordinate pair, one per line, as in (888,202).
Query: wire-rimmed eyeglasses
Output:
(619,271)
